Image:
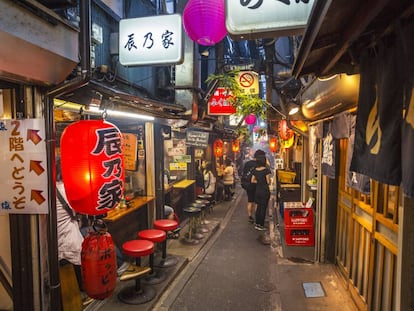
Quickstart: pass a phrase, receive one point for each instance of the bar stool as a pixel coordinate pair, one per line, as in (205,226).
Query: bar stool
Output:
(200,226)
(209,198)
(166,225)
(207,204)
(155,236)
(193,213)
(137,294)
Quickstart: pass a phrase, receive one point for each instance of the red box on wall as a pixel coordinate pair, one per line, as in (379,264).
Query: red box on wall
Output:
(303,236)
(298,217)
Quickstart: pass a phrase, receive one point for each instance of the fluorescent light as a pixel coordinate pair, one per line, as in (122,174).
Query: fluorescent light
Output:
(116,113)
(293,110)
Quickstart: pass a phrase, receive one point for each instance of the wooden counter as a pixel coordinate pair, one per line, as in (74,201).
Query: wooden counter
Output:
(185,183)
(134,204)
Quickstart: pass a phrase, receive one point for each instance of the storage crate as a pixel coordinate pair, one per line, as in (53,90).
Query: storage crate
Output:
(286,177)
(304,236)
(298,217)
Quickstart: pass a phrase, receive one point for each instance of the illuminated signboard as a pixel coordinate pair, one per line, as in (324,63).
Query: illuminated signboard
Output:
(258,18)
(219,103)
(152,40)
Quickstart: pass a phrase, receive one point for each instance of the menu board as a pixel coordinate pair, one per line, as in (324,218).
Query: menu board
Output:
(197,138)
(130,142)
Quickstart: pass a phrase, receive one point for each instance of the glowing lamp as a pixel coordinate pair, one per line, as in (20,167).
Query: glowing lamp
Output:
(235,146)
(250,119)
(273,144)
(92,166)
(285,133)
(204,21)
(218,148)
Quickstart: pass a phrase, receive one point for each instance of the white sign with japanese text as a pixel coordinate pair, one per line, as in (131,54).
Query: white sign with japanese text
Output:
(152,40)
(23,164)
(271,18)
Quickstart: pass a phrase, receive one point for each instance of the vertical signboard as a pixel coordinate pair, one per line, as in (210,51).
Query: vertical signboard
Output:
(23,164)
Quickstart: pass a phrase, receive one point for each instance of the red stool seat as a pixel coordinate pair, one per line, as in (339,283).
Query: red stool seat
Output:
(153,235)
(138,248)
(165,224)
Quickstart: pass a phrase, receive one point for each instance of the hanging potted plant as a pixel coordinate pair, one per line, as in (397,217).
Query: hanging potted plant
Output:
(245,104)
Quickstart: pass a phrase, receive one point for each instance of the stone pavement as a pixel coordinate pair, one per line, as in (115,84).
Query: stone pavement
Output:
(288,280)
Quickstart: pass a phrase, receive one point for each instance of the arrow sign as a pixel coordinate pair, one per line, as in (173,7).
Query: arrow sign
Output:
(36,195)
(33,136)
(36,166)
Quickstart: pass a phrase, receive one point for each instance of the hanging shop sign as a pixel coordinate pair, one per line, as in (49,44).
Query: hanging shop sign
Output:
(92,166)
(219,103)
(263,19)
(23,186)
(249,82)
(152,40)
(197,138)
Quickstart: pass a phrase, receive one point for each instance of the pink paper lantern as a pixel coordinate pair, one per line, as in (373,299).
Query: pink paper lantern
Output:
(250,119)
(204,21)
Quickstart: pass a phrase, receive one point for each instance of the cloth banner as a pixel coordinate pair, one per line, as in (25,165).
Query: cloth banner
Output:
(328,151)
(355,180)
(407,50)
(341,125)
(377,149)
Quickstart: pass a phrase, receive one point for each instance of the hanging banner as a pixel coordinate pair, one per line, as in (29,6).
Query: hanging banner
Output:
(377,149)
(328,152)
(23,186)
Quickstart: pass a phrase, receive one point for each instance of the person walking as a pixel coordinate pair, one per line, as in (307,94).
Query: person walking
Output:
(228,180)
(261,177)
(248,186)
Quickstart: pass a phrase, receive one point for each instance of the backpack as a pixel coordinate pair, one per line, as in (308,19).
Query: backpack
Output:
(247,177)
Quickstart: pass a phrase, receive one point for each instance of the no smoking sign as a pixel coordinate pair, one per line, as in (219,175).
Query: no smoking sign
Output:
(249,82)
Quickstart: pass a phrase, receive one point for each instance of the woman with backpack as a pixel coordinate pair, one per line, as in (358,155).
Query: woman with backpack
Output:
(261,177)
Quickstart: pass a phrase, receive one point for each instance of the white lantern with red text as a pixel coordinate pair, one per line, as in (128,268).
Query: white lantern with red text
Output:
(92,166)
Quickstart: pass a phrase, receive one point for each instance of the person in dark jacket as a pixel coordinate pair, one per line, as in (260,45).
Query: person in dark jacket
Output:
(261,177)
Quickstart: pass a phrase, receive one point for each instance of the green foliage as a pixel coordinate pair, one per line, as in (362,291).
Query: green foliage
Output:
(245,104)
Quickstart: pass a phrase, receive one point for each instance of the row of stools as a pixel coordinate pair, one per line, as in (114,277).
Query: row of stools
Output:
(142,247)
(197,223)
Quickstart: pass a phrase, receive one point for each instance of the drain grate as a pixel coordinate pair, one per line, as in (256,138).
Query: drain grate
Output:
(313,290)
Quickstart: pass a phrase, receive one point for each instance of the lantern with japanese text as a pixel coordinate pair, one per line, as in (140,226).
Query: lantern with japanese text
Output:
(98,262)
(204,21)
(218,148)
(250,119)
(273,144)
(235,146)
(284,132)
(92,166)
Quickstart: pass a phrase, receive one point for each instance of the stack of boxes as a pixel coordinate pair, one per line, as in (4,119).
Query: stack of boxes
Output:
(299,225)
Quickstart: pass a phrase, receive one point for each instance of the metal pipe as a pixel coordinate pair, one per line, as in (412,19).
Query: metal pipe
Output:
(85,36)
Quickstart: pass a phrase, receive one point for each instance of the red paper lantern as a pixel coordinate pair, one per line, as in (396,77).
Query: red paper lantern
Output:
(98,258)
(285,133)
(92,166)
(204,21)
(273,144)
(218,148)
(235,146)
(250,119)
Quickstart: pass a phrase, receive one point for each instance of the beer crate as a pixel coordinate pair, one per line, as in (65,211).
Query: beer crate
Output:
(298,217)
(304,236)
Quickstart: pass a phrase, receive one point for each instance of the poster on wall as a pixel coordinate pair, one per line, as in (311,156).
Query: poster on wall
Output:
(130,145)
(23,186)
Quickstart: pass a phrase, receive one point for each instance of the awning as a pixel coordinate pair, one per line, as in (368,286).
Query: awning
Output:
(115,97)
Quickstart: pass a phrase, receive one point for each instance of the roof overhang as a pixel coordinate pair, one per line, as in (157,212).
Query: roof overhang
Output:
(338,31)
